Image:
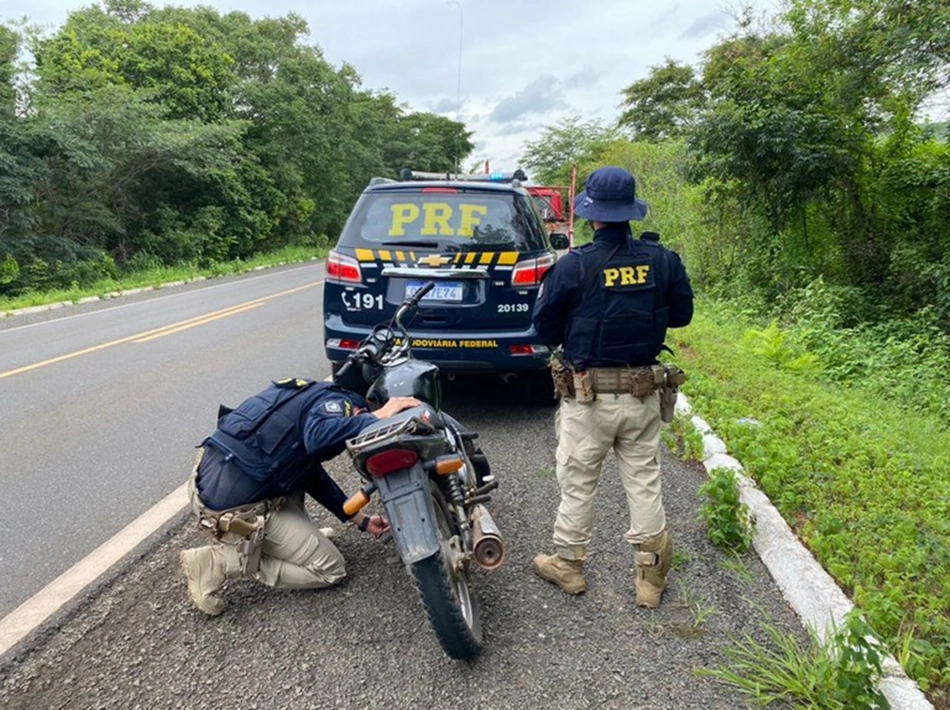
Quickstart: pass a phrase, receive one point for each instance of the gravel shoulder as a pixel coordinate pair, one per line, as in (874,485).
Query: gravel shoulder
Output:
(137,642)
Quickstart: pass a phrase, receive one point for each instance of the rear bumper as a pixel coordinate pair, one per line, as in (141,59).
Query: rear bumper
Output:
(472,352)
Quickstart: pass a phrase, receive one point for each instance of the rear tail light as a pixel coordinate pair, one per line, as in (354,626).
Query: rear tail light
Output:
(343,343)
(530,271)
(528,349)
(343,269)
(385,462)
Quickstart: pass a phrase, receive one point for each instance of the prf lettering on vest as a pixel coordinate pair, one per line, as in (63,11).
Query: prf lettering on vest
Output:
(627,275)
(436,219)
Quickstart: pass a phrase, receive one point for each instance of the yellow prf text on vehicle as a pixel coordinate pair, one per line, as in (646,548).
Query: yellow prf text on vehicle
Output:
(436,218)
(628,275)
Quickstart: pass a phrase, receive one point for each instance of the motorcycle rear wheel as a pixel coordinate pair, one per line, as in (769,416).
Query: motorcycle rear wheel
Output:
(449,604)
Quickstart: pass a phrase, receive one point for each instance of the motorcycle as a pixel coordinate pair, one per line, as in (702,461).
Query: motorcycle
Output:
(432,480)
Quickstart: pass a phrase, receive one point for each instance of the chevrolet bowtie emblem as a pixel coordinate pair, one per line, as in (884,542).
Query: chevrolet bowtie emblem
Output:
(435,260)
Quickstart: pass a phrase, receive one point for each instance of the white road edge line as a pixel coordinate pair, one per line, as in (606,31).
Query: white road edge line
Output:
(808,588)
(46,602)
(23,620)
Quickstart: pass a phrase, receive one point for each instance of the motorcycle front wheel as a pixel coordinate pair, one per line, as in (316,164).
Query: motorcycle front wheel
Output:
(449,604)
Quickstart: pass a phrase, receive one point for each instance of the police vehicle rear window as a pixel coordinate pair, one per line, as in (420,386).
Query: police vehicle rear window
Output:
(466,220)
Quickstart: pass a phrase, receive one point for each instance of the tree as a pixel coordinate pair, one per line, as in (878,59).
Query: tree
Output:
(550,157)
(163,135)
(427,142)
(664,105)
(9,48)
(183,71)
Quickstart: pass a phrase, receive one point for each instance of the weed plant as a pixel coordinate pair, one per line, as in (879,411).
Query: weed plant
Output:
(726,516)
(838,674)
(682,438)
(860,476)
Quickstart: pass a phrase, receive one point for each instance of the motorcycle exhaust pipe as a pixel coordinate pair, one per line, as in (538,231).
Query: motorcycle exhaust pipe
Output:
(488,549)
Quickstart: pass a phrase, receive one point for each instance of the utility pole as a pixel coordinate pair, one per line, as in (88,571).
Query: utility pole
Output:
(458,97)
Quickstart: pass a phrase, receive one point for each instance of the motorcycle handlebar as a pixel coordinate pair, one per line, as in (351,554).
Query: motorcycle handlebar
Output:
(346,368)
(368,349)
(417,296)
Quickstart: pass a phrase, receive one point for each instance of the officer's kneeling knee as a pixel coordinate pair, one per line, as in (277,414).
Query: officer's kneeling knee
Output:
(329,574)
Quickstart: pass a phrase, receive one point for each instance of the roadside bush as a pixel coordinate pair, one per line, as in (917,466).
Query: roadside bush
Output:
(859,475)
(903,359)
(726,516)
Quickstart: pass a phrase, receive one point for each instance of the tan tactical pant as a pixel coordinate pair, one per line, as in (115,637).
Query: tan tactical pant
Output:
(295,554)
(586,433)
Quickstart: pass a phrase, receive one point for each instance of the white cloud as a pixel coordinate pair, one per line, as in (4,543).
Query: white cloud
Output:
(524,64)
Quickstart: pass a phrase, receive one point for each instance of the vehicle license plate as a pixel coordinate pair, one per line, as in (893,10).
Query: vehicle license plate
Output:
(443,291)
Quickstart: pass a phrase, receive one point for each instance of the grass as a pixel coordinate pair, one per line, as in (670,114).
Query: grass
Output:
(839,673)
(862,481)
(700,607)
(157,276)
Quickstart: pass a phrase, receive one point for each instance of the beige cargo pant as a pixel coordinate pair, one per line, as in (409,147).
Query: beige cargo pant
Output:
(586,433)
(295,554)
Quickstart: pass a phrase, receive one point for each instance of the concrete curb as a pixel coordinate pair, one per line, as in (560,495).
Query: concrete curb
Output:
(804,583)
(93,299)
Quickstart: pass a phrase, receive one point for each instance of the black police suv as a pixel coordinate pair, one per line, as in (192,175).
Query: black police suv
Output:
(479,237)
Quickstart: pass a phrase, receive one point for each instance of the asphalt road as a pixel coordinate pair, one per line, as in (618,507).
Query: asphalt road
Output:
(102,404)
(135,641)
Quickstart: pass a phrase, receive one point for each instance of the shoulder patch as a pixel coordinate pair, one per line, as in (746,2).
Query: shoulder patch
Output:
(333,406)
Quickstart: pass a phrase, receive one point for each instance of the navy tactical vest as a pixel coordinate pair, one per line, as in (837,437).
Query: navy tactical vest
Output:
(622,314)
(263,433)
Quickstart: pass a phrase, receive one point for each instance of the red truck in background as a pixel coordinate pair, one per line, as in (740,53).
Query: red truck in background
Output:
(550,201)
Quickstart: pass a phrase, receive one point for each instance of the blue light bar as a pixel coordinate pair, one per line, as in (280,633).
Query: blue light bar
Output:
(517,175)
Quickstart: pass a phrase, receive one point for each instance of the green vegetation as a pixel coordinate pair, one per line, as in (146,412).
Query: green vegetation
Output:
(150,137)
(157,276)
(792,168)
(839,673)
(726,516)
(682,438)
(794,171)
(859,476)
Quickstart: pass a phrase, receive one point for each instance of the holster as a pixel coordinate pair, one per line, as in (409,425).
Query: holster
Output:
(242,527)
(667,379)
(251,549)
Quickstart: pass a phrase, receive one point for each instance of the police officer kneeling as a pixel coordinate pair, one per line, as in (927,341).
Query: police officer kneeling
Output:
(249,483)
(608,304)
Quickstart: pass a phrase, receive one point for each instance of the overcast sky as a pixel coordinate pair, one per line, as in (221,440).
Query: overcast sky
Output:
(525,64)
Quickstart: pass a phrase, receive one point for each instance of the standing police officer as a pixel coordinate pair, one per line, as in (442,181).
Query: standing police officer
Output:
(608,304)
(249,483)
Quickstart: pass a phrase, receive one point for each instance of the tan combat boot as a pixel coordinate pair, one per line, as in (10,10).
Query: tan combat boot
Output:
(567,574)
(206,569)
(653,559)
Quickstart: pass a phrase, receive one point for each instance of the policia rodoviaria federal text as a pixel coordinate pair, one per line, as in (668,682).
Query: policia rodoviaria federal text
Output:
(608,305)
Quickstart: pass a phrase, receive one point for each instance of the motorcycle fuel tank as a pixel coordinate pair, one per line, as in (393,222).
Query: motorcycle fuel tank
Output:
(413,378)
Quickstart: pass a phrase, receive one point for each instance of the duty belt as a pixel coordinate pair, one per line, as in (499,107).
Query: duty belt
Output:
(637,381)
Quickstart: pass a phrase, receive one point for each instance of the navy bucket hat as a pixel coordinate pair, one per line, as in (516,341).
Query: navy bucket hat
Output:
(610,195)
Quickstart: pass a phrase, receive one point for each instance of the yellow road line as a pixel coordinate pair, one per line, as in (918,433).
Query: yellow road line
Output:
(186,326)
(159,332)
